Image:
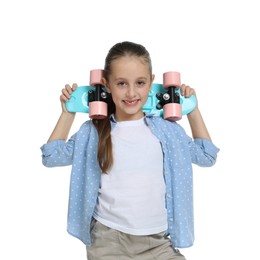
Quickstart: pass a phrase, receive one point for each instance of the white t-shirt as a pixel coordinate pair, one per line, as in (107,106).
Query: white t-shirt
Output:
(132,194)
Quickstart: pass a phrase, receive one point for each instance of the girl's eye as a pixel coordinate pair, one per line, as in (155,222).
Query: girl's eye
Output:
(121,84)
(140,83)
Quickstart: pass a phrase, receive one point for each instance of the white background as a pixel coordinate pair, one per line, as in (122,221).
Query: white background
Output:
(46,44)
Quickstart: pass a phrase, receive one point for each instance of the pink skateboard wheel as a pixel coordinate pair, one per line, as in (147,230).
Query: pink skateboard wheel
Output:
(97,110)
(172,79)
(96,77)
(172,112)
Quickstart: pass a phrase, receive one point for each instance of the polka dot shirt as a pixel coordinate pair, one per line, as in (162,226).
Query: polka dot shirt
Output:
(180,152)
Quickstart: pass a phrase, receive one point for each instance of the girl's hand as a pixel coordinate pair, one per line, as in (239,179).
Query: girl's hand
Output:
(187,91)
(198,127)
(65,95)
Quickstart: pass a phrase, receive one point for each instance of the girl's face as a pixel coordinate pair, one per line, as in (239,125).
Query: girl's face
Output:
(129,84)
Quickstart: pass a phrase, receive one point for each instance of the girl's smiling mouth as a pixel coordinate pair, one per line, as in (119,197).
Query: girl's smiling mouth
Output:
(131,102)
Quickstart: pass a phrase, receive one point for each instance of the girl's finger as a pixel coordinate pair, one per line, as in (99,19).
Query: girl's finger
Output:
(187,91)
(68,88)
(63,98)
(74,86)
(183,89)
(66,92)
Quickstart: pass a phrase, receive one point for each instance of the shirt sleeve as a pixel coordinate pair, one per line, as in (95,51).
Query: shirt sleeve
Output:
(58,152)
(203,152)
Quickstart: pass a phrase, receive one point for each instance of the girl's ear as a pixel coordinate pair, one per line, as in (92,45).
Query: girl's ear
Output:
(153,76)
(105,84)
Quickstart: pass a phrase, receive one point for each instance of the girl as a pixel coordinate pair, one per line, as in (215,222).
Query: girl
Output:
(131,180)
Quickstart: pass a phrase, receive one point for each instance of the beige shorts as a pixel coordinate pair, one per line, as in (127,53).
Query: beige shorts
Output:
(110,244)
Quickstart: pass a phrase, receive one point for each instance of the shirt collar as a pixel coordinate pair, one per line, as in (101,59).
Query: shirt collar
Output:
(113,118)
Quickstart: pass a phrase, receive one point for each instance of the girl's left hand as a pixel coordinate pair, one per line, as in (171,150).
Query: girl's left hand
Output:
(187,91)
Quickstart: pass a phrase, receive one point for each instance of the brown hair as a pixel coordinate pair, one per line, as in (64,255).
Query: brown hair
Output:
(105,155)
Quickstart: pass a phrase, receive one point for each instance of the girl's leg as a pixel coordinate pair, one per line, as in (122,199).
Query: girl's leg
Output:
(105,244)
(161,248)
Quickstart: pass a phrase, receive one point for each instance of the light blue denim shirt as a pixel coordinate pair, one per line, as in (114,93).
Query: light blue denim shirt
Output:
(179,151)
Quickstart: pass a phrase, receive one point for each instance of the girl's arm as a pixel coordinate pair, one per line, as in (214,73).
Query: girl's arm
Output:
(203,151)
(65,121)
(197,125)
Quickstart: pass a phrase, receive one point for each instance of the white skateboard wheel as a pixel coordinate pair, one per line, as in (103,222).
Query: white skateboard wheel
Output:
(172,79)
(172,112)
(97,110)
(96,77)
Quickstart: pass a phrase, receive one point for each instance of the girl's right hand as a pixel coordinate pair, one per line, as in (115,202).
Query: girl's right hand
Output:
(65,95)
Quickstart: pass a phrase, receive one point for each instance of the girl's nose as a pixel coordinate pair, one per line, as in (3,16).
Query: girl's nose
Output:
(130,91)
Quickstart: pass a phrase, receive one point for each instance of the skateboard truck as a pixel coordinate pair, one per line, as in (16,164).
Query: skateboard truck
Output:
(98,98)
(170,101)
(169,97)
